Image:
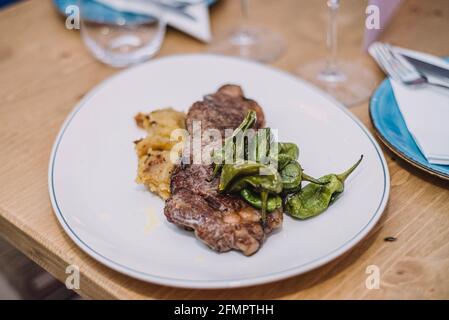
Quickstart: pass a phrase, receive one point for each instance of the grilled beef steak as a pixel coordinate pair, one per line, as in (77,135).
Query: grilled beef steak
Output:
(221,221)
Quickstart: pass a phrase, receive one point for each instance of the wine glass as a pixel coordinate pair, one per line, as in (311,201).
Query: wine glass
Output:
(249,41)
(119,38)
(348,81)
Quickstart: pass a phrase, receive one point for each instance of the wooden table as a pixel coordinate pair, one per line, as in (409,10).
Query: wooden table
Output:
(45,70)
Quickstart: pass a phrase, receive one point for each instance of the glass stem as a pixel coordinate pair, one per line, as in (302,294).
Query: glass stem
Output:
(245,11)
(333,6)
(243,37)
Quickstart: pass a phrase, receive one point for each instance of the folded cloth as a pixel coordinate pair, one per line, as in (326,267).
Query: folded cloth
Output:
(193,19)
(425,110)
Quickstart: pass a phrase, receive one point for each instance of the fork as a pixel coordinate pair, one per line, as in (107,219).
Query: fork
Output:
(398,68)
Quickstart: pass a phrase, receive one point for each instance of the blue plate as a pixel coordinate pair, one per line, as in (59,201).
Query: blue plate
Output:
(391,129)
(97,12)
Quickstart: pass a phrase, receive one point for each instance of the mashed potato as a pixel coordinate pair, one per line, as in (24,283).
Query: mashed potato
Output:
(153,151)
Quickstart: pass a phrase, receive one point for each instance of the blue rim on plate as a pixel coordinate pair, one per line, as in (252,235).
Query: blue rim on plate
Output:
(392,131)
(100,13)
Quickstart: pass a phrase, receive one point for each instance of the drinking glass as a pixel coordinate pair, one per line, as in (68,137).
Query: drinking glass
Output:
(249,41)
(348,81)
(118,38)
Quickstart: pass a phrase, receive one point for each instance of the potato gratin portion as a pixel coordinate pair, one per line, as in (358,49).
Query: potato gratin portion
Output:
(153,151)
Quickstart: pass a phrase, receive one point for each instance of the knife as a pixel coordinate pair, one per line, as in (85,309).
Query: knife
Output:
(427,68)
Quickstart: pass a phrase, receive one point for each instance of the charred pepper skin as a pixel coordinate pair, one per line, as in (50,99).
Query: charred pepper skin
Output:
(287,152)
(291,176)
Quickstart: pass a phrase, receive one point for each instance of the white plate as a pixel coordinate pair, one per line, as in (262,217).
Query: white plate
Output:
(93,166)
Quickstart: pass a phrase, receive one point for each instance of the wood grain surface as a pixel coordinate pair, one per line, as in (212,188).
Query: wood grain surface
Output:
(45,70)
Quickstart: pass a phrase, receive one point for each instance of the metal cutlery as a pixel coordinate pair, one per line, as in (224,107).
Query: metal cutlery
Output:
(399,68)
(426,67)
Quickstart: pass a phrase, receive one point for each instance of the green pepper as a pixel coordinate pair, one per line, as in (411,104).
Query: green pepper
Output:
(292,175)
(314,199)
(218,156)
(287,152)
(264,199)
(232,171)
(269,183)
(289,149)
(274,201)
(260,177)
(263,144)
(265,184)
(235,177)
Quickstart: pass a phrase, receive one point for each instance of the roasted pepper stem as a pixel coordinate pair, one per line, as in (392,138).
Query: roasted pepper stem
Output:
(344,175)
(264,198)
